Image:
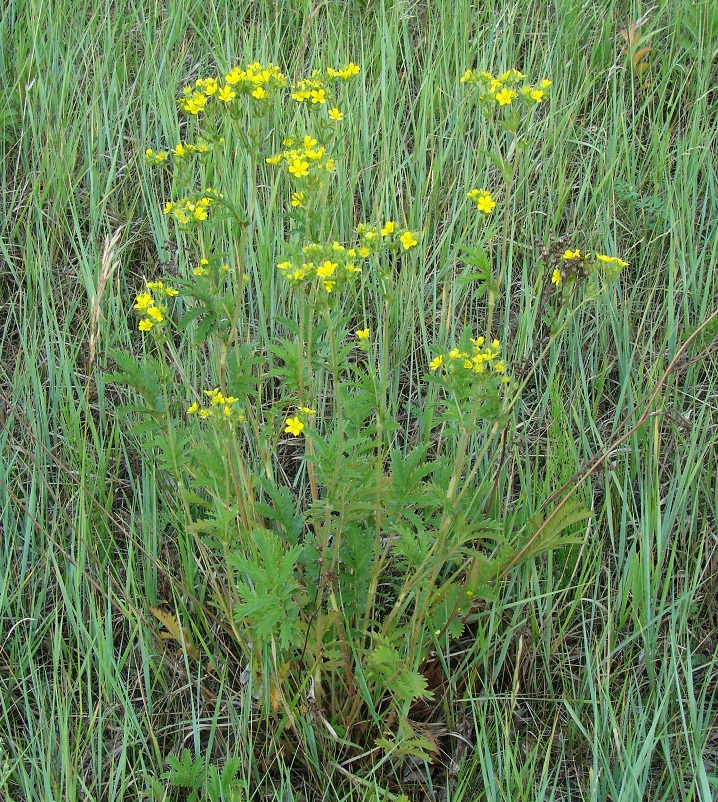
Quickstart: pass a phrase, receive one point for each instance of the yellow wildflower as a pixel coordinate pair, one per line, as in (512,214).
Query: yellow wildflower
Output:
(327,269)
(144,301)
(335,114)
(362,334)
(408,240)
(299,168)
(611,260)
(437,362)
(145,325)
(556,277)
(389,228)
(294,426)
(505,96)
(226,94)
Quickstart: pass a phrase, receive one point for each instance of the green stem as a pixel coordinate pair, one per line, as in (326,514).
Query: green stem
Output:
(495,290)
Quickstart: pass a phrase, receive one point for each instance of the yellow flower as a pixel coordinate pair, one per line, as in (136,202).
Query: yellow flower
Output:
(537,95)
(294,426)
(168,207)
(327,269)
(154,285)
(611,260)
(179,151)
(145,325)
(193,408)
(362,334)
(348,72)
(329,285)
(171,292)
(437,362)
(299,168)
(364,252)
(408,240)
(299,199)
(234,77)
(144,301)
(260,93)
(505,96)
(284,265)
(200,213)
(226,94)
(485,203)
(198,271)
(330,164)
(454,353)
(306,410)
(318,96)
(556,277)
(335,114)
(208,86)
(569,254)
(499,367)
(309,142)
(546,83)
(389,228)
(155,314)
(287,142)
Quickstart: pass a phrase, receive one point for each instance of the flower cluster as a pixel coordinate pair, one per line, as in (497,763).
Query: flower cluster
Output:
(306,163)
(479,359)
(295,425)
(193,209)
(331,265)
(503,90)
(219,405)
(155,158)
(318,90)
(257,81)
(150,312)
(373,239)
(184,150)
(484,202)
(569,265)
(214,270)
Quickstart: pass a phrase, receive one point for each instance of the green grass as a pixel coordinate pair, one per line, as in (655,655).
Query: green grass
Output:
(597,679)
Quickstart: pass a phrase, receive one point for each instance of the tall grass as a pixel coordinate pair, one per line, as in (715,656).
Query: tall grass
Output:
(599,680)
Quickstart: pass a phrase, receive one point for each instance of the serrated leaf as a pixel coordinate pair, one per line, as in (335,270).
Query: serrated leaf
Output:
(175,631)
